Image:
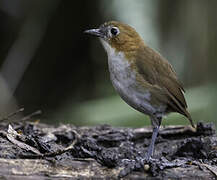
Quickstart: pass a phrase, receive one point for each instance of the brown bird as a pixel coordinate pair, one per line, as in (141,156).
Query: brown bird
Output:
(142,77)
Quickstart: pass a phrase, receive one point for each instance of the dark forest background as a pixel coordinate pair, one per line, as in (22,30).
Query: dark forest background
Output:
(47,63)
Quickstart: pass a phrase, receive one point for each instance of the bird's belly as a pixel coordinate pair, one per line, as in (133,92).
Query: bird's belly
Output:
(124,82)
(137,100)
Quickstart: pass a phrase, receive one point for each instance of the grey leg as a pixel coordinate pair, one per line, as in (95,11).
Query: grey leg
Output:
(156,122)
(151,146)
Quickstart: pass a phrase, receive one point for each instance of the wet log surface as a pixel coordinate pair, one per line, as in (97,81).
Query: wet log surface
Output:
(39,151)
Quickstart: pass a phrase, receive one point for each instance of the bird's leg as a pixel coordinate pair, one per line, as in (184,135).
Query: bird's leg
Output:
(151,146)
(156,122)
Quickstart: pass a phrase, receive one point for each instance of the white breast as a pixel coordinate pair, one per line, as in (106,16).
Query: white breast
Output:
(124,81)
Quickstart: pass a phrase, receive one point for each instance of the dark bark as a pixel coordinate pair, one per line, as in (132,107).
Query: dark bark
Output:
(38,151)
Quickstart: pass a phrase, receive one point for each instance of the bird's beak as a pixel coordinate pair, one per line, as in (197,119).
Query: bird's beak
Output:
(95,32)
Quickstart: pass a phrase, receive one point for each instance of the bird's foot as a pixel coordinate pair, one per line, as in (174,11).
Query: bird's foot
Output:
(130,165)
(147,160)
(148,156)
(138,164)
(149,164)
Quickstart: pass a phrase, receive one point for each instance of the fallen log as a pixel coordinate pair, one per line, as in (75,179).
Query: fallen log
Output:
(38,151)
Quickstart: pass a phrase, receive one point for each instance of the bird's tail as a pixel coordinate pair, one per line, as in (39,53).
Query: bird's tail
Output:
(187,114)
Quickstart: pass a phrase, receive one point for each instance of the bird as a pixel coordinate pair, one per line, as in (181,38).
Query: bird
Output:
(143,78)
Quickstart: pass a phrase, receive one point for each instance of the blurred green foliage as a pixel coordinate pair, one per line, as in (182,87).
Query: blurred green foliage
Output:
(48,63)
(113,111)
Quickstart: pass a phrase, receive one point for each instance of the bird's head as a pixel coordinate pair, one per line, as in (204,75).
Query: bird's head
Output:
(117,36)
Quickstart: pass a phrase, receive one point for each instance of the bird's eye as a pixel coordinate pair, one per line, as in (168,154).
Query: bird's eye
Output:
(114,31)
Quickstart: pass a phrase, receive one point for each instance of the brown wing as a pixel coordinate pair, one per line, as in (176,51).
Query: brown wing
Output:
(157,71)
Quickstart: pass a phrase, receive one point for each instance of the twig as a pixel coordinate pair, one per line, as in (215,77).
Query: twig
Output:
(57,152)
(39,112)
(46,155)
(12,114)
(61,151)
(12,135)
(212,168)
